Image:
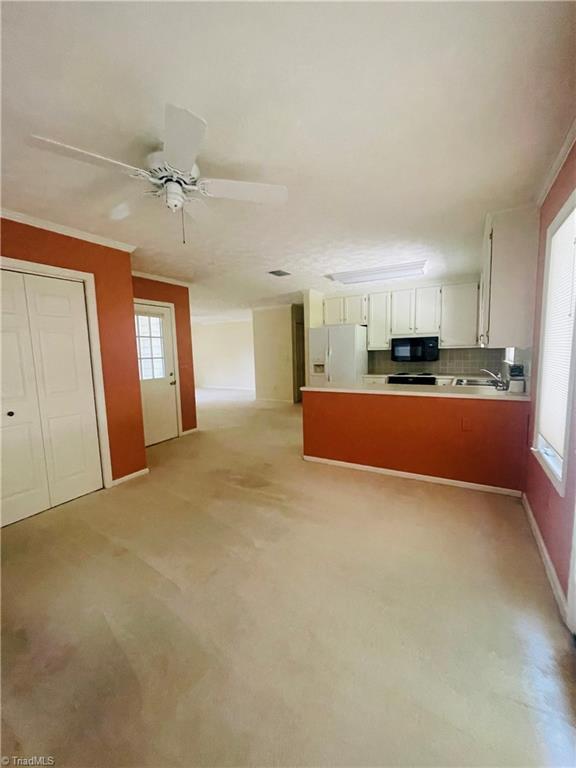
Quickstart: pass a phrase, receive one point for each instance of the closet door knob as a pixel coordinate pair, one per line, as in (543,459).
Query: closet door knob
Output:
(10,413)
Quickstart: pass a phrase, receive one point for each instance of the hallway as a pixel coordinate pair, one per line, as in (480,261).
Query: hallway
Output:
(241,607)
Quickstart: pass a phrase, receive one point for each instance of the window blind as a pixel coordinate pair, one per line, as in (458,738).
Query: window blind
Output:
(557,337)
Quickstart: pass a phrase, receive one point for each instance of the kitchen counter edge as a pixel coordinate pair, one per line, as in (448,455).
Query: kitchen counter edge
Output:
(420,390)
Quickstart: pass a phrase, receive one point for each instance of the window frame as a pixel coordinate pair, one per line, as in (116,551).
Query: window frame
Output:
(546,456)
(150,337)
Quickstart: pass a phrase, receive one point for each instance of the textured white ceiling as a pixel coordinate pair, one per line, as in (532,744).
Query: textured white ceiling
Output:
(396,127)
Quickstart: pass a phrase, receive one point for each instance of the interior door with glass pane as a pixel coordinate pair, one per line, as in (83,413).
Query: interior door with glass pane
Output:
(157,372)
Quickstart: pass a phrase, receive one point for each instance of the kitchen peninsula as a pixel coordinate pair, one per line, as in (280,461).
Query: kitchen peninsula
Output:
(448,434)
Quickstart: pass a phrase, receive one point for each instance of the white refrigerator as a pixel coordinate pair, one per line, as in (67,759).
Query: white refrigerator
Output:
(337,356)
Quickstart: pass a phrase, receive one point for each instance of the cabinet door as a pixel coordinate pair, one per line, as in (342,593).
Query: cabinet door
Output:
(355,310)
(512,278)
(459,325)
(379,321)
(485,284)
(427,309)
(402,312)
(333,311)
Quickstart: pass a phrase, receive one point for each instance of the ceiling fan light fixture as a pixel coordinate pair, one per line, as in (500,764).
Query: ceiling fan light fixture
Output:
(381,274)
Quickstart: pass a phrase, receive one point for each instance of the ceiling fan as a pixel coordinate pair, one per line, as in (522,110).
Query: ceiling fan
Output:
(172,172)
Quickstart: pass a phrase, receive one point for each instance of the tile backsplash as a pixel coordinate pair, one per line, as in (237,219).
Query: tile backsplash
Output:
(466,361)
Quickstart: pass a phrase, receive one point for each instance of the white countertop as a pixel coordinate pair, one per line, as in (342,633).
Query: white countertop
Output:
(428,390)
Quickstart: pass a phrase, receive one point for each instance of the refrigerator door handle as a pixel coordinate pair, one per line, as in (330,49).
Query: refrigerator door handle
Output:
(328,356)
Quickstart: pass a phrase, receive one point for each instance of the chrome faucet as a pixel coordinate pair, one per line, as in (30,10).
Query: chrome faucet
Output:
(498,382)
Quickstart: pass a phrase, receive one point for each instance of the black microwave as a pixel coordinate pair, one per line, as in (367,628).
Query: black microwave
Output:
(415,350)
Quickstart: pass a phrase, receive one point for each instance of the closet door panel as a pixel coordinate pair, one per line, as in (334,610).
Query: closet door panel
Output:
(61,348)
(24,479)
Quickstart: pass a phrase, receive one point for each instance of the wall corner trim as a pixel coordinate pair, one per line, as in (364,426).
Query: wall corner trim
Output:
(557,164)
(132,476)
(557,590)
(61,229)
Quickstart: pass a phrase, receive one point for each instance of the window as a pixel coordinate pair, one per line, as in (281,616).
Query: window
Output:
(150,347)
(555,374)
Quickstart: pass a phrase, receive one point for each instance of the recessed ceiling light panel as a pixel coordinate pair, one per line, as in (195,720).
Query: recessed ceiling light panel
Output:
(380,274)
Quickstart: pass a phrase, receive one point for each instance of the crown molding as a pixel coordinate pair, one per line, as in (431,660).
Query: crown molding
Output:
(160,279)
(78,234)
(558,163)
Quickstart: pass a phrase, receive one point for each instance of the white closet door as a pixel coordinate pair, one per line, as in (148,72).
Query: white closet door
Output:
(24,480)
(57,313)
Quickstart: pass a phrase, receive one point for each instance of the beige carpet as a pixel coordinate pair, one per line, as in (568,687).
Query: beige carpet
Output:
(240,607)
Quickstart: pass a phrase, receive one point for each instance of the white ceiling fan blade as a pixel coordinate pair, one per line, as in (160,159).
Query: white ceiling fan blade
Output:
(248,191)
(183,134)
(81,154)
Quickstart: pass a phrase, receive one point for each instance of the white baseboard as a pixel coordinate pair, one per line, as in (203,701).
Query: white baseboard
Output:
(414,476)
(225,389)
(548,566)
(133,476)
(188,431)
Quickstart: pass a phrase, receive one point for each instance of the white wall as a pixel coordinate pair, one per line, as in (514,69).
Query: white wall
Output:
(273,353)
(223,355)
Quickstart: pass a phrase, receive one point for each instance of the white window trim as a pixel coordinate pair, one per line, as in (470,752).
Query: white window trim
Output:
(558,481)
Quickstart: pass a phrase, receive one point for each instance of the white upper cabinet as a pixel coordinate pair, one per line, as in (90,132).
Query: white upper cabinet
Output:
(351,310)
(428,310)
(356,309)
(459,327)
(508,282)
(333,311)
(379,321)
(402,312)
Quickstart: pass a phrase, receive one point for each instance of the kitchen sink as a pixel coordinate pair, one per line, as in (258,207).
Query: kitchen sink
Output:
(474,383)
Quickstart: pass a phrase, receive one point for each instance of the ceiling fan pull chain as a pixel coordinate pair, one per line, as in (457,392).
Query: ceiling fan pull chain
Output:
(183,227)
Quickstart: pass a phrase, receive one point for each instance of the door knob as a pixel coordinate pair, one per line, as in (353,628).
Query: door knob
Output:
(172,383)
(10,413)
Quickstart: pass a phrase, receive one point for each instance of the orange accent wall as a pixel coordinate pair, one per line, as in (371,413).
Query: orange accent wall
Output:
(113,283)
(476,441)
(155,290)
(554,514)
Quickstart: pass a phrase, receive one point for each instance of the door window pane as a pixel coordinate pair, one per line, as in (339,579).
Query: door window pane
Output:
(155,326)
(143,325)
(151,363)
(145,347)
